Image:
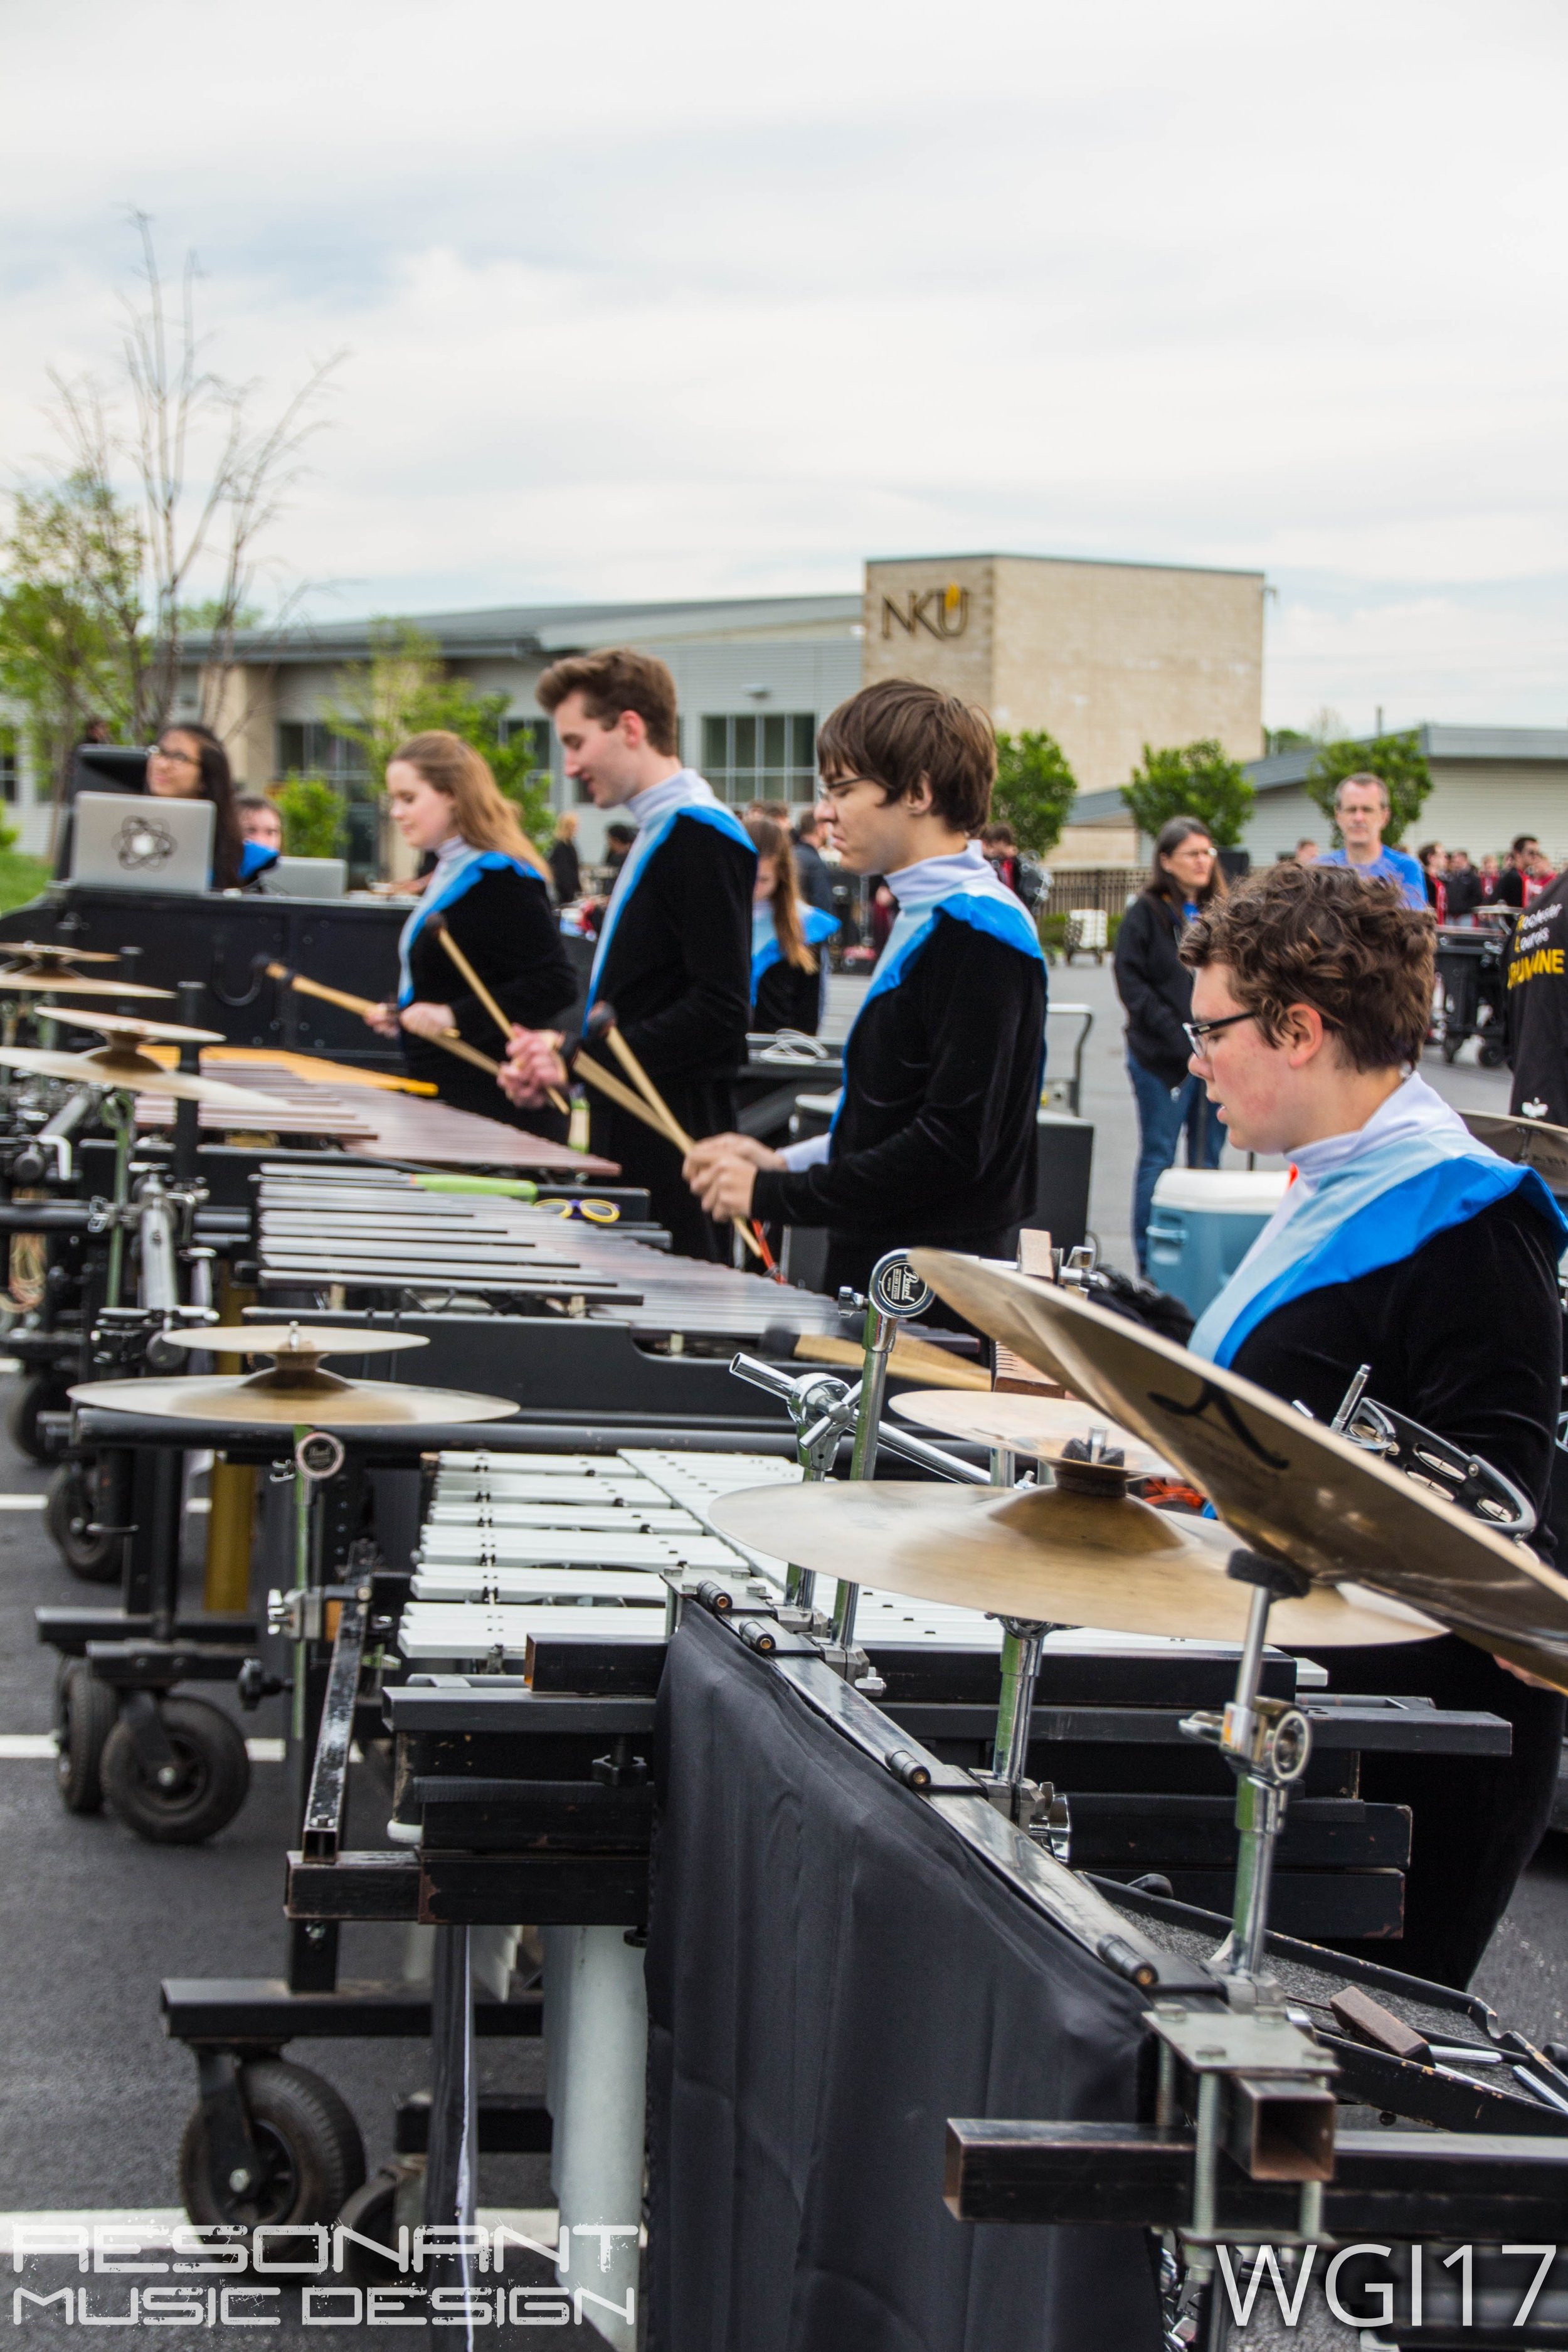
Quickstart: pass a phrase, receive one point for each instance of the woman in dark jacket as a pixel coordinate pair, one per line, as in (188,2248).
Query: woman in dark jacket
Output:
(489,886)
(1156,991)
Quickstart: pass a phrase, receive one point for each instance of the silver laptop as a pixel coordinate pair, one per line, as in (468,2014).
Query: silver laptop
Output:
(128,841)
(306,878)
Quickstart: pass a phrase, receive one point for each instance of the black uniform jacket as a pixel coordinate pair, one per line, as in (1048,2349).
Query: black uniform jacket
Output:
(1155,987)
(935,1141)
(678,972)
(1537,1002)
(788,998)
(505,926)
(1466,1336)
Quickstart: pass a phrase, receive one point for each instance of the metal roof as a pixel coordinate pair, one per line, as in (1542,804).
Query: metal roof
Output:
(1092,562)
(1283,771)
(540,632)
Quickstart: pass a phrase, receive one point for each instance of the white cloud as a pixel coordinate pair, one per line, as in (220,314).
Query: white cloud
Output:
(707,300)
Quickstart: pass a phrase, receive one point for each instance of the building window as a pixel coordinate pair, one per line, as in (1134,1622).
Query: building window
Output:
(10,770)
(767,756)
(537,731)
(306,748)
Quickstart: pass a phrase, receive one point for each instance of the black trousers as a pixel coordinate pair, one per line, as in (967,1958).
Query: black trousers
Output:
(1476,1821)
(704,1107)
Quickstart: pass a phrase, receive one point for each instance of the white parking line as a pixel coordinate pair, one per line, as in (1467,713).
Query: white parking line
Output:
(21,1502)
(35,1746)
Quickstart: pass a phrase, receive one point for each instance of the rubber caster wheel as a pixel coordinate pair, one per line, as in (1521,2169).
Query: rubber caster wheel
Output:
(75,1502)
(35,1395)
(211,1776)
(1493,1057)
(85,1712)
(311,2154)
(394,2194)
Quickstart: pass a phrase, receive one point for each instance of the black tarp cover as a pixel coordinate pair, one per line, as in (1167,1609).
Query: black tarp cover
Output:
(832,1972)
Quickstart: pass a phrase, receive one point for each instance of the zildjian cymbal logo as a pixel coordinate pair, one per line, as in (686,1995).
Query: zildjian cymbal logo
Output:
(1207,1396)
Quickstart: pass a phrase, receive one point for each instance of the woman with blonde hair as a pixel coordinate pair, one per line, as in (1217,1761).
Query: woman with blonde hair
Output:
(786,937)
(490,887)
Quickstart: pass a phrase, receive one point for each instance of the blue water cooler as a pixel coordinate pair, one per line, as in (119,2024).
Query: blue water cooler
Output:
(1205,1221)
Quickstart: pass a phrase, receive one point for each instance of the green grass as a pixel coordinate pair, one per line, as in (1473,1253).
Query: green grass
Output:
(21,878)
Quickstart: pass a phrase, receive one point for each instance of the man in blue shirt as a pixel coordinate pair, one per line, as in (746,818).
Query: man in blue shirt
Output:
(1360,812)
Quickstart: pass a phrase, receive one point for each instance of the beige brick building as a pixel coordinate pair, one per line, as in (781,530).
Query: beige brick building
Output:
(1108,657)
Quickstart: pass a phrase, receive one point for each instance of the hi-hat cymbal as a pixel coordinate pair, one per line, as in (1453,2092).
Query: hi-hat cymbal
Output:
(1039,1426)
(280,1399)
(68,984)
(1527,1142)
(139,1075)
(49,951)
(127,1024)
(1045,1554)
(1287,1485)
(291,1342)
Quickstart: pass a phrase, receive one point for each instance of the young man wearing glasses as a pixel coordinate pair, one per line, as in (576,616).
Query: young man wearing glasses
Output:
(1404,1245)
(935,1136)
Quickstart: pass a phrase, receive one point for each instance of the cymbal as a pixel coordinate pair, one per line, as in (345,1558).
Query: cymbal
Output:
(1040,1426)
(274,1400)
(68,983)
(139,1075)
(1046,1554)
(126,1024)
(292,1341)
(1287,1485)
(43,951)
(1527,1142)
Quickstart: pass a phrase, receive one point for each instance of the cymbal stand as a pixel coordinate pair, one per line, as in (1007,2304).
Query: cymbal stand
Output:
(1266,1743)
(895,1295)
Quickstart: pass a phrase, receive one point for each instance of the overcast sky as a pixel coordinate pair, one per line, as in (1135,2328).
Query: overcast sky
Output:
(707,299)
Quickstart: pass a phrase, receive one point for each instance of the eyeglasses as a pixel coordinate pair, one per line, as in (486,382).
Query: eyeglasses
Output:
(1197,1031)
(177,759)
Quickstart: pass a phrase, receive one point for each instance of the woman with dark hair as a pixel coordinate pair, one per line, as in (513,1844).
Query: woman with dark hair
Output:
(189,764)
(1156,992)
(786,935)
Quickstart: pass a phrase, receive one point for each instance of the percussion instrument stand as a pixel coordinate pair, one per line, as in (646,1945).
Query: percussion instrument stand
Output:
(895,1295)
(1266,1743)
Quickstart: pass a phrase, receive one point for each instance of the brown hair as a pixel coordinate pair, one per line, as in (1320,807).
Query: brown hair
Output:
(1320,935)
(1161,882)
(483,815)
(619,679)
(772,841)
(900,735)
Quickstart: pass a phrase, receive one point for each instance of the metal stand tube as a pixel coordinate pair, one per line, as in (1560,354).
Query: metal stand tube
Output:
(595,2028)
(880,1332)
(450,2171)
(1021,1641)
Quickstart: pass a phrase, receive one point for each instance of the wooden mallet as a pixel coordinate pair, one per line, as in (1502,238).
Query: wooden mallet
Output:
(438,923)
(601,1023)
(365,1005)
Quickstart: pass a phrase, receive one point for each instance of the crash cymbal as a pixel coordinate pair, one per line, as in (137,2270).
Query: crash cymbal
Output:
(27,953)
(67,984)
(1038,1426)
(1527,1142)
(116,1026)
(1287,1485)
(292,1342)
(139,1075)
(269,1401)
(1046,1554)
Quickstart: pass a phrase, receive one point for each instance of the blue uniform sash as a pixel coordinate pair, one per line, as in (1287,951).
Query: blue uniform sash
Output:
(816,923)
(1372,1211)
(452,878)
(649,836)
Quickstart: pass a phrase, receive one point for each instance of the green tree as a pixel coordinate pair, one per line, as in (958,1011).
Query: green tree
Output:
(1035,788)
(1198,780)
(72,640)
(406,688)
(1400,762)
(314,819)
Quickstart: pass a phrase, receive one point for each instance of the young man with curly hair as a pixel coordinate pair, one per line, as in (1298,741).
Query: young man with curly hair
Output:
(1404,1245)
